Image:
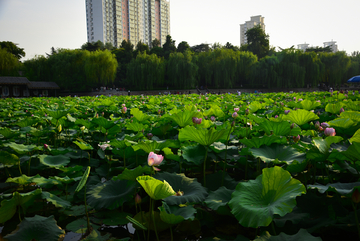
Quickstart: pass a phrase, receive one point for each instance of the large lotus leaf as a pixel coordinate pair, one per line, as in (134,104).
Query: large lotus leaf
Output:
(309,105)
(58,202)
(155,188)
(22,180)
(79,226)
(194,154)
(8,159)
(170,155)
(254,106)
(341,188)
(83,179)
(112,218)
(139,115)
(136,126)
(279,153)
(354,138)
(214,110)
(264,140)
(175,214)
(20,148)
(66,179)
(204,137)
(119,144)
(188,190)
(300,116)
(111,194)
(26,122)
(353,105)
(299,236)
(353,115)
(218,198)
(277,128)
(24,200)
(8,133)
(353,152)
(255,202)
(83,145)
(81,122)
(151,146)
(101,121)
(334,108)
(132,174)
(324,144)
(343,123)
(54,161)
(183,118)
(57,114)
(37,228)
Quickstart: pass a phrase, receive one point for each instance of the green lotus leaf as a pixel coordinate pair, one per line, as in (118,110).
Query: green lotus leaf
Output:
(83,145)
(169,155)
(334,108)
(118,144)
(24,200)
(111,194)
(155,188)
(88,124)
(8,159)
(264,140)
(151,146)
(299,236)
(188,190)
(174,214)
(353,152)
(277,128)
(355,137)
(83,179)
(324,144)
(214,181)
(353,115)
(279,153)
(58,202)
(20,148)
(66,179)
(8,133)
(135,126)
(37,228)
(353,105)
(23,179)
(139,115)
(26,122)
(309,105)
(101,121)
(255,106)
(57,114)
(215,111)
(300,116)
(54,161)
(343,123)
(79,226)
(218,198)
(204,137)
(125,153)
(254,203)
(132,174)
(194,154)
(341,188)
(183,118)
(145,219)
(136,224)
(112,218)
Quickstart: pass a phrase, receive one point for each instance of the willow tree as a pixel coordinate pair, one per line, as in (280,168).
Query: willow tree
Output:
(100,67)
(205,71)
(181,71)
(9,64)
(291,73)
(336,66)
(314,68)
(223,63)
(246,61)
(145,72)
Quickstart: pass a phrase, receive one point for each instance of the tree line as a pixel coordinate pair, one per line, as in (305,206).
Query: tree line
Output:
(254,65)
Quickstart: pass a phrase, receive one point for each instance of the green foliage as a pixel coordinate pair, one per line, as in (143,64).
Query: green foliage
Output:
(9,64)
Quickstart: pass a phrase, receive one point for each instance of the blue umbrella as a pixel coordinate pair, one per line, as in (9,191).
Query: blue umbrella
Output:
(354,79)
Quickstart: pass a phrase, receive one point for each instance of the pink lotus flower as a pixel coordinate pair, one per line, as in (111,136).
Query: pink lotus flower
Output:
(212,118)
(329,132)
(296,138)
(154,159)
(123,110)
(235,114)
(341,110)
(236,109)
(46,146)
(196,120)
(104,146)
(276,116)
(286,112)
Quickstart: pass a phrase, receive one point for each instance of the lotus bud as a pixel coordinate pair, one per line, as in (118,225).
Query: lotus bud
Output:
(212,118)
(123,105)
(300,99)
(82,128)
(296,138)
(137,199)
(294,98)
(320,128)
(325,125)
(286,112)
(46,146)
(329,132)
(233,123)
(59,128)
(276,116)
(356,196)
(282,104)
(198,121)
(123,110)
(317,125)
(235,114)
(292,126)
(149,136)
(247,111)
(102,113)
(341,110)
(236,109)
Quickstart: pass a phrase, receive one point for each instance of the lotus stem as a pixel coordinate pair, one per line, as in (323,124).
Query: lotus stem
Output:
(20,168)
(171,233)
(227,142)
(29,166)
(356,218)
(273,227)
(204,170)
(153,217)
(86,211)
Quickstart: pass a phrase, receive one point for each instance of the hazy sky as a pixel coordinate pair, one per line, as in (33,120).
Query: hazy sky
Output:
(38,25)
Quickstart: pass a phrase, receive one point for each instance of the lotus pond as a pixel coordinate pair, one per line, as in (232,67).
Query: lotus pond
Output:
(277,166)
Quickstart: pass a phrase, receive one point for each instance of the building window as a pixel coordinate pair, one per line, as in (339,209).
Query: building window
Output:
(5,91)
(26,92)
(45,93)
(16,90)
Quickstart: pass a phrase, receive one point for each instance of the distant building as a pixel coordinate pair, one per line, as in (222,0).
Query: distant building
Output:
(135,20)
(332,44)
(303,47)
(255,21)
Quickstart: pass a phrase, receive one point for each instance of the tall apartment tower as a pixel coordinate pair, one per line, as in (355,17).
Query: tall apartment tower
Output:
(332,44)
(254,21)
(135,20)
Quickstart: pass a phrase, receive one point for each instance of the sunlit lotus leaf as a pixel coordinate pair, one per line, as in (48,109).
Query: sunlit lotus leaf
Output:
(194,154)
(277,128)
(101,121)
(175,214)
(151,146)
(183,118)
(324,144)
(54,161)
(155,188)
(139,115)
(111,194)
(279,153)
(254,106)
(83,145)
(8,159)
(254,203)
(83,179)
(309,105)
(66,179)
(170,155)
(188,190)
(135,126)
(300,116)
(215,110)
(355,137)
(299,236)
(37,228)
(264,140)
(353,115)
(22,180)
(204,137)
(341,188)
(24,200)
(353,105)
(343,123)
(21,148)
(58,202)
(218,198)
(334,108)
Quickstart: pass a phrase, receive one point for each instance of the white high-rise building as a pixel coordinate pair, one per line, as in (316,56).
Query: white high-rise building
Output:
(254,21)
(135,20)
(303,46)
(332,44)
